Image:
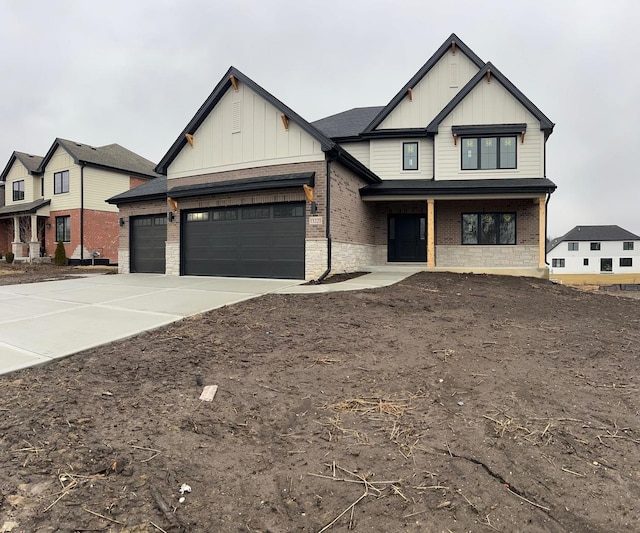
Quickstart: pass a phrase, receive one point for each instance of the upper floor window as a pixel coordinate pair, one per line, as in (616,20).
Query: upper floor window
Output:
(61,182)
(410,156)
(488,153)
(488,228)
(595,246)
(573,246)
(627,245)
(18,190)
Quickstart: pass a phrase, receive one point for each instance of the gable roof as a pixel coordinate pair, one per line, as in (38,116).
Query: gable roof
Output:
(440,52)
(30,162)
(219,91)
(348,123)
(545,123)
(595,233)
(109,157)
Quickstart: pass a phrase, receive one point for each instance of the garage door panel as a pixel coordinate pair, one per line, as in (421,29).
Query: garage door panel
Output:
(249,241)
(147,243)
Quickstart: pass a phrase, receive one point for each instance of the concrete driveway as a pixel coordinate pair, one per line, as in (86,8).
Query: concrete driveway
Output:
(43,321)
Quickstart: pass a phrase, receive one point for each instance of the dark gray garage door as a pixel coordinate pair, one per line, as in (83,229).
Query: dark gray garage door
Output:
(257,241)
(148,237)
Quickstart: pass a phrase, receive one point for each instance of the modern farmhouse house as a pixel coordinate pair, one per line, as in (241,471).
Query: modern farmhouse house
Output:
(450,174)
(61,197)
(596,254)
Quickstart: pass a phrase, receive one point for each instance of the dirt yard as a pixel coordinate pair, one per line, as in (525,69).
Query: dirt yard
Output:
(15,273)
(446,403)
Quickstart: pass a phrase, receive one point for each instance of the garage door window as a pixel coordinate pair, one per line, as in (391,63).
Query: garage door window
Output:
(249,213)
(229,214)
(287,211)
(198,216)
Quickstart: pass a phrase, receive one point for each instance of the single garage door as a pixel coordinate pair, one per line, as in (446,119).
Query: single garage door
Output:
(148,238)
(257,241)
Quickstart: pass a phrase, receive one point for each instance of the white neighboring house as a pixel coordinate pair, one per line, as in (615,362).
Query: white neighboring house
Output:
(595,250)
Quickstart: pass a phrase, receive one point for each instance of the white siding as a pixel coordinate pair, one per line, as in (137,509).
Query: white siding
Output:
(432,93)
(360,150)
(386,159)
(490,103)
(61,160)
(31,184)
(261,140)
(100,185)
(574,260)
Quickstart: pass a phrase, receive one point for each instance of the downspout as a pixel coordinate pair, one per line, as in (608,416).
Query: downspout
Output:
(327,223)
(546,218)
(82,213)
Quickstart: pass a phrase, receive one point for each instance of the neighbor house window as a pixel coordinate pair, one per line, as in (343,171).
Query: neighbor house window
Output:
(557,263)
(574,246)
(488,153)
(606,265)
(626,261)
(627,245)
(61,182)
(63,229)
(585,261)
(410,156)
(488,228)
(18,190)
(595,246)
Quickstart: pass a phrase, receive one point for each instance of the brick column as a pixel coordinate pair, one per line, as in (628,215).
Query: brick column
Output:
(431,233)
(541,232)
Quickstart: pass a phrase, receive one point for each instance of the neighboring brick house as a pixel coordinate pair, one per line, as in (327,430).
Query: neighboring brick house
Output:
(596,254)
(61,197)
(449,175)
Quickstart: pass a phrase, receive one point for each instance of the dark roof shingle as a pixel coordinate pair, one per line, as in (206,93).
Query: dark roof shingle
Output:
(348,123)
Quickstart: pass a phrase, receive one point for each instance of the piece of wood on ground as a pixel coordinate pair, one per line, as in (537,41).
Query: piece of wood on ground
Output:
(208,393)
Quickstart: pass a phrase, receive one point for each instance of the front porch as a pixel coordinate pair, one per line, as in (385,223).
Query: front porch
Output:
(23,226)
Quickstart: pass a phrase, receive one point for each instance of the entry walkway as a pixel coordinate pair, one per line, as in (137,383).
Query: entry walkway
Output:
(45,321)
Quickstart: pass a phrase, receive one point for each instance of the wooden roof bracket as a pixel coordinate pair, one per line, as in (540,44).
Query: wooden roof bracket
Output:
(455,139)
(522,134)
(189,138)
(173,204)
(410,93)
(285,121)
(234,82)
(453,47)
(488,75)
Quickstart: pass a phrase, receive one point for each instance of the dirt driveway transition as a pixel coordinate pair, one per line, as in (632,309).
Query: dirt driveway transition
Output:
(445,403)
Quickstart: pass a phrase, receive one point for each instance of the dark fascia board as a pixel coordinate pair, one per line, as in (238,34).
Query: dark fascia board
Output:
(51,151)
(545,124)
(489,129)
(12,160)
(396,133)
(349,161)
(115,169)
(461,187)
(218,92)
(444,48)
(285,181)
(137,199)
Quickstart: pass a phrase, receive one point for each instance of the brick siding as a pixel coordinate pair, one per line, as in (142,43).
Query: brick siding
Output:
(6,236)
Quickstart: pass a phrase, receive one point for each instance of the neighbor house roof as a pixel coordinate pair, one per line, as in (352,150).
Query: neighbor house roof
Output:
(595,233)
(109,157)
(155,189)
(415,187)
(433,60)
(30,162)
(489,68)
(219,91)
(23,209)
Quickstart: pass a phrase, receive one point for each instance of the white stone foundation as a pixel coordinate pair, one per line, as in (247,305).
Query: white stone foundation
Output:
(487,256)
(123,261)
(172,257)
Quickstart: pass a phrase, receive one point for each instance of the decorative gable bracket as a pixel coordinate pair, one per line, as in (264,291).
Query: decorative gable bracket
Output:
(486,130)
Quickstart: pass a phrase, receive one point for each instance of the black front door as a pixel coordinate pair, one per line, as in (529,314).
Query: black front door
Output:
(407,238)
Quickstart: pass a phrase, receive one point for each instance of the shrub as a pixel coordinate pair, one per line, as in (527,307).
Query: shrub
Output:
(9,257)
(60,258)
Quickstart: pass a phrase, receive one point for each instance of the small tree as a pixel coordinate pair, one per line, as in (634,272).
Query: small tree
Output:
(60,257)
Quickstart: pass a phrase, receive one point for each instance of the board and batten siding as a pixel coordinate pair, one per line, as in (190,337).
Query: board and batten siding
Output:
(243,130)
(386,159)
(489,103)
(102,184)
(31,184)
(432,93)
(360,150)
(61,160)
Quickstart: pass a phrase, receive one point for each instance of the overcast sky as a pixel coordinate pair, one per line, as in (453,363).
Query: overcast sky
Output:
(134,72)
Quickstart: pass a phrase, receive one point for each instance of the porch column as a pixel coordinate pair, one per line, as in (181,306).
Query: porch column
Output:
(542,244)
(34,245)
(16,229)
(431,237)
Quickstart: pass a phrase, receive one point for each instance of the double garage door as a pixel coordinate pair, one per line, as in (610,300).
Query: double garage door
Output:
(256,241)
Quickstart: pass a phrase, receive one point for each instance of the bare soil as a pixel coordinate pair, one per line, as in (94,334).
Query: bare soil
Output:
(17,273)
(445,403)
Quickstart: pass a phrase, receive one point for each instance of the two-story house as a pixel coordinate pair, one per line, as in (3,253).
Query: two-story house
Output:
(450,174)
(61,197)
(595,255)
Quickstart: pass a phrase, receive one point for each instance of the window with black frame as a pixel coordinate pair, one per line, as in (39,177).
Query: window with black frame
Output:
(488,228)
(488,153)
(18,190)
(63,229)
